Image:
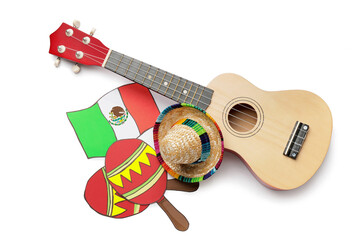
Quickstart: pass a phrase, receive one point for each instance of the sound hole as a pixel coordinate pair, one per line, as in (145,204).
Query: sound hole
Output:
(242,117)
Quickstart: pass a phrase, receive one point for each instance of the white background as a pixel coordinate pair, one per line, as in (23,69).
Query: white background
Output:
(277,45)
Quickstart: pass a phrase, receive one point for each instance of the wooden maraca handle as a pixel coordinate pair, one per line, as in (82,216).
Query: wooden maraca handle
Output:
(174,184)
(180,222)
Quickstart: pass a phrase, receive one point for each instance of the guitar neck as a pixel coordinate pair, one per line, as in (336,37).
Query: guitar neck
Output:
(160,81)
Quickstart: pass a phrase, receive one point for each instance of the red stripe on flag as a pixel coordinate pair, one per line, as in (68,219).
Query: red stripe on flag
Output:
(140,104)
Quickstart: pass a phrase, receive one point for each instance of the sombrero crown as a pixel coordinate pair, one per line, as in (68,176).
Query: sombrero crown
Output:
(188,142)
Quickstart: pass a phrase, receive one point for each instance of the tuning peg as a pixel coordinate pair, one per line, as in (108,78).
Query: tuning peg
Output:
(76,23)
(76,68)
(57,62)
(92,31)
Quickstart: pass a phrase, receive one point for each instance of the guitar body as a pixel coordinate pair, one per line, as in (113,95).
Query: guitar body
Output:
(259,126)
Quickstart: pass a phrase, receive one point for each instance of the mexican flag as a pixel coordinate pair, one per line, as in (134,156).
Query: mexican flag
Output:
(129,111)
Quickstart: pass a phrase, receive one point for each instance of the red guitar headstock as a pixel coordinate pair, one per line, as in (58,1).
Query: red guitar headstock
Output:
(70,43)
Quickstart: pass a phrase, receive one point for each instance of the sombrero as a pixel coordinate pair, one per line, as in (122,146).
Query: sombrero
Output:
(188,143)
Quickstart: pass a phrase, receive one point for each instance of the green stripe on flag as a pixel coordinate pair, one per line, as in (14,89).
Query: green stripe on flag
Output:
(93,130)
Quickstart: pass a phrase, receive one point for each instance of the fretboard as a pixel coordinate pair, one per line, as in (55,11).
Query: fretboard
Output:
(160,81)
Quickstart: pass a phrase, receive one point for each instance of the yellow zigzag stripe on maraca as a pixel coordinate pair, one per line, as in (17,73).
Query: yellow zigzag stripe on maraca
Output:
(132,163)
(113,199)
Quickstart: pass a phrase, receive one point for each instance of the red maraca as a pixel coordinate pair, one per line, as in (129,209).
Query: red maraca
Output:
(102,197)
(134,172)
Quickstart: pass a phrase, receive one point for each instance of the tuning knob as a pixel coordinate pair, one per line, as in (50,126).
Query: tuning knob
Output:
(57,62)
(76,68)
(92,31)
(76,23)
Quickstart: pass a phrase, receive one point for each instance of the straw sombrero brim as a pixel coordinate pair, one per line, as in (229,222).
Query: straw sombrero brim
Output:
(189,172)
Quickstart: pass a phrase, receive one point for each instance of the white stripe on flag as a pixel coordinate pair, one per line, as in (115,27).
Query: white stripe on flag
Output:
(129,128)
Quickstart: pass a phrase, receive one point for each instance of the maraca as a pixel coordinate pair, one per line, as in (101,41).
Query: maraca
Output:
(135,173)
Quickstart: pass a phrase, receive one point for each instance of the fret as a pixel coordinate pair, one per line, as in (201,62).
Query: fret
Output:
(132,69)
(164,84)
(157,79)
(117,66)
(188,91)
(150,76)
(154,78)
(174,95)
(167,83)
(182,91)
(197,96)
(137,71)
(123,64)
(113,64)
(138,76)
(162,80)
(200,96)
(128,67)
(145,75)
(194,94)
(185,91)
(171,86)
(205,98)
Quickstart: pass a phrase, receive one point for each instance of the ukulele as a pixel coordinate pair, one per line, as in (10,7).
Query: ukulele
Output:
(282,137)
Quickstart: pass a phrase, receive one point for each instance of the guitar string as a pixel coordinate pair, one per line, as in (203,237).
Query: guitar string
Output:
(164,73)
(204,96)
(104,48)
(215,108)
(180,93)
(155,76)
(177,91)
(174,90)
(150,65)
(87,55)
(124,68)
(236,124)
(90,45)
(220,110)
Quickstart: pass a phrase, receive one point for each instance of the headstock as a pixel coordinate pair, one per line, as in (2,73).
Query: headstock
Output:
(70,43)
